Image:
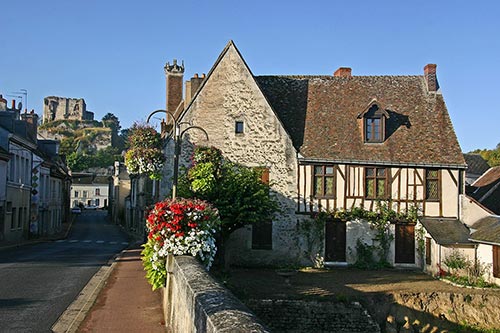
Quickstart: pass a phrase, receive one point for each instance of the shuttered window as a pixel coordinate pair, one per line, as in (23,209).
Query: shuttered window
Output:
(262,233)
(428,254)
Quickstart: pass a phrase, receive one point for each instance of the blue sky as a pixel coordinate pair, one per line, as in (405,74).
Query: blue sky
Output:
(112,52)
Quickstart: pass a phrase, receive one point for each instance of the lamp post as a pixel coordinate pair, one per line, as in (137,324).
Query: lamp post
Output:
(177,135)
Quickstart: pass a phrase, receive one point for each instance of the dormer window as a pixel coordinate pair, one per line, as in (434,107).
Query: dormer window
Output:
(374,119)
(373,129)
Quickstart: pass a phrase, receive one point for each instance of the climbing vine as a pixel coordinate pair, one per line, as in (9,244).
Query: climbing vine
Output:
(380,220)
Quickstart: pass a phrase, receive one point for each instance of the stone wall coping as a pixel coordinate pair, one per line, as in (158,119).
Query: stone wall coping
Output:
(216,308)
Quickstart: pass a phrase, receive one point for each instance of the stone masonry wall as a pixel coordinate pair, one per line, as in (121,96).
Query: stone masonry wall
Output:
(231,94)
(312,316)
(194,302)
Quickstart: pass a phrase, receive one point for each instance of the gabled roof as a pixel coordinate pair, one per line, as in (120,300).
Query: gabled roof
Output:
(489,177)
(447,231)
(229,46)
(476,164)
(320,113)
(486,230)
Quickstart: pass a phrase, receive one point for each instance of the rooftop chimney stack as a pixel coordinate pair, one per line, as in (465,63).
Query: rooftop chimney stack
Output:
(192,87)
(431,78)
(343,72)
(174,74)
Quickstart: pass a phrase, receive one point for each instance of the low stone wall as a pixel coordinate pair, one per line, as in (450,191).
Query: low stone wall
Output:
(194,302)
(313,316)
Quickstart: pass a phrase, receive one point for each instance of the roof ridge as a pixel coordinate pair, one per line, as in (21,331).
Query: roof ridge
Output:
(333,77)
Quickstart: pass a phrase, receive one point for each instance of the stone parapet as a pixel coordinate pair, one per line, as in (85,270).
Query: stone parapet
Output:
(195,302)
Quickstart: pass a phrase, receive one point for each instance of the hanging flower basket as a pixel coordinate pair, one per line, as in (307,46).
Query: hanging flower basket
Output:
(179,227)
(145,155)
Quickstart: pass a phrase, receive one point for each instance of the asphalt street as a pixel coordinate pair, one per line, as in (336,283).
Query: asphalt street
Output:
(38,282)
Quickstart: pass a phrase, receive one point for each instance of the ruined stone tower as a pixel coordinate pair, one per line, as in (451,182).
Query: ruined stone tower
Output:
(63,108)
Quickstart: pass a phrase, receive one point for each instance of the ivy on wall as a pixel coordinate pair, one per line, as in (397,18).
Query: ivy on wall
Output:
(380,220)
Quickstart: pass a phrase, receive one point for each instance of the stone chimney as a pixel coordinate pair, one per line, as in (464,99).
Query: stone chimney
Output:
(3,103)
(192,87)
(174,74)
(343,72)
(31,120)
(431,78)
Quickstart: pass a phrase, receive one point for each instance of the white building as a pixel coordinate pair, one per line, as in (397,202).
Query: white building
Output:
(89,190)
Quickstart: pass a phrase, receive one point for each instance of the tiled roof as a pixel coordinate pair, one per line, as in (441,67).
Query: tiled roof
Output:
(446,231)
(476,164)
(488,230)
(321,115)
(489,177)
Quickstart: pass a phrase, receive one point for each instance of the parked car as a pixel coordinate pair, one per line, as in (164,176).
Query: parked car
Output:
(76,210)
(91,207)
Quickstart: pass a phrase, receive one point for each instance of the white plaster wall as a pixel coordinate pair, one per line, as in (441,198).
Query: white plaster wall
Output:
(449,193)
(357,229)
(485,256)
(471,212)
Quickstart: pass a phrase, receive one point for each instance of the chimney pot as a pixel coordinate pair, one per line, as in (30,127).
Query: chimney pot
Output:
(343,72)
(196,75)
(13,104)
(203,75)
(430,69)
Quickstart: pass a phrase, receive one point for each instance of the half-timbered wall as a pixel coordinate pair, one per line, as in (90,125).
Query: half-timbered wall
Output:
(405,187)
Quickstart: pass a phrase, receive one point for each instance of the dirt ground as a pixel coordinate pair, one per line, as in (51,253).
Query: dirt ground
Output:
(339,283)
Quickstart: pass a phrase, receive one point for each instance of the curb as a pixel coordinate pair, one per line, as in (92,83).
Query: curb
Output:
(73,316)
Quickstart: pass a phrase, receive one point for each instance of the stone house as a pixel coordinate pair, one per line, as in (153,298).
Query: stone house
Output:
(119,190)
(328,142)
(31,172)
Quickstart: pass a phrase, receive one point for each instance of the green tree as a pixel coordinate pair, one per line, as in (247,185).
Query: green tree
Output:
(237,191)
(77,161)
(112,121)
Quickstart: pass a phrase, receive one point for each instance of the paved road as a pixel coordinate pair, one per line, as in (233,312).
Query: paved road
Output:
(38,282)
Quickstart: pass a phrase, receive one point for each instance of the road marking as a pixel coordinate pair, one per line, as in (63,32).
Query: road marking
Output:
(74,241)
(99,242)
(60,241)
(87,241)
(124,243)
(113,242)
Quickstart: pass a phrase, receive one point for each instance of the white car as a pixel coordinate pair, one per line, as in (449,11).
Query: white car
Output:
(91,207)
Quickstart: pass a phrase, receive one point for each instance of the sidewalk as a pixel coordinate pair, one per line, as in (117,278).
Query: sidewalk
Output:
(126,302)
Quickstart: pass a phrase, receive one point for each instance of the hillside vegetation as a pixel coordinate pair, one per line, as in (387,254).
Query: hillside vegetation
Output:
(88,143)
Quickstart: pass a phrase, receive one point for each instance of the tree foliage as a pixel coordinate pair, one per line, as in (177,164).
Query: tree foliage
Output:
(112,121)
(79,161)
(492,156)
(236,190)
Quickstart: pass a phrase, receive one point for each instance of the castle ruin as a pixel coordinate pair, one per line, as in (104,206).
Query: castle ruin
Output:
(63,108)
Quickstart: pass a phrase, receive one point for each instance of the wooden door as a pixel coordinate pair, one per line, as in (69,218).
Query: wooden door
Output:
(405,244)
(335,241)
(496,261)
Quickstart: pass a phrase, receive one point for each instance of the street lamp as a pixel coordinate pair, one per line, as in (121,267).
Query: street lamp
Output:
(177,137)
